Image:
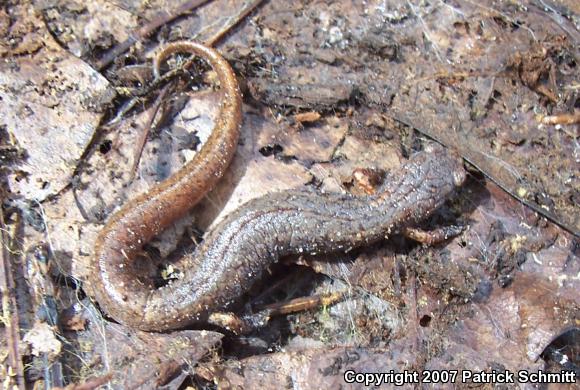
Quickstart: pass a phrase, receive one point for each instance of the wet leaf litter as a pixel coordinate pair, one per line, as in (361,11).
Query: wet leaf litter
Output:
(481,78)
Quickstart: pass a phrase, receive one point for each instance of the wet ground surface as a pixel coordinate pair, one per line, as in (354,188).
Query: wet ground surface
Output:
(336,96)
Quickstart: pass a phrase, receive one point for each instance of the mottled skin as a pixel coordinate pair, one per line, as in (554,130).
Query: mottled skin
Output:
(256,235)
(235,254)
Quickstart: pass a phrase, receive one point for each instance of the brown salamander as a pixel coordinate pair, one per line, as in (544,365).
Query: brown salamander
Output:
(235,254)
(141,219)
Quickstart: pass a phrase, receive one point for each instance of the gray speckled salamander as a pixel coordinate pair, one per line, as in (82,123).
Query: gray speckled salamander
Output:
(235,254)
(247,241)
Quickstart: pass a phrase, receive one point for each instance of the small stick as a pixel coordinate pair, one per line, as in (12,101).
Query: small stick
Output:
(90,384)
(140,145)
(560,119)
(9,307)
(233,21)
(544,213)
(146,30)
(303,303)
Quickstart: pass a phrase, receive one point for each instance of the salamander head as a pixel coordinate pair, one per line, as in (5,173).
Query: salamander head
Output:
(448,162)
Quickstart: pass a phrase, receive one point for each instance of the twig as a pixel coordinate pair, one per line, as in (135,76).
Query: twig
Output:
(456,75)
(9,307)
(140,145)
(303,303)
(544,213)
(91,384)
(146,30)
(233,21)
(559,119)
(154,84)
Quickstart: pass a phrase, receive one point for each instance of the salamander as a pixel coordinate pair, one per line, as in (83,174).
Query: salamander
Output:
(236,252)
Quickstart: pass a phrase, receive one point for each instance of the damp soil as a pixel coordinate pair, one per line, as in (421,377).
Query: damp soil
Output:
(336,96)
